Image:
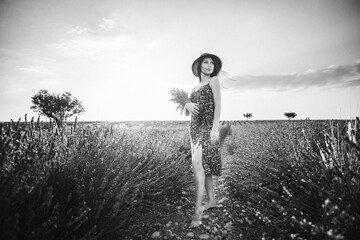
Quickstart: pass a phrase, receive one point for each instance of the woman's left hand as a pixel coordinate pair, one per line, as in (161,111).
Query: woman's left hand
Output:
(214,135)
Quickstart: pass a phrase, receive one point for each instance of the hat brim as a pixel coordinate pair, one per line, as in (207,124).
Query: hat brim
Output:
(215,58)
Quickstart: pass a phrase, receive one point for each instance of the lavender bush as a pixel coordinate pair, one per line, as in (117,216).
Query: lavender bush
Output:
(84,182)
(298,180)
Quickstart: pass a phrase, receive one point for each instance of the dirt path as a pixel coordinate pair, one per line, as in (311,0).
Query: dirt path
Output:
(217,223)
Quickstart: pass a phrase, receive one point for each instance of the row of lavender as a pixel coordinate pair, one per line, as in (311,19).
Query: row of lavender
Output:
(85,181)
(295,180)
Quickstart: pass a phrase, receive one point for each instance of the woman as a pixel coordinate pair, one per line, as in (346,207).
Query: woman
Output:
(205,109)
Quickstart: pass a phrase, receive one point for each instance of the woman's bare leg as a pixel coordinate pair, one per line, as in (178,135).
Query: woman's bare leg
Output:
(199,177)
(209,185)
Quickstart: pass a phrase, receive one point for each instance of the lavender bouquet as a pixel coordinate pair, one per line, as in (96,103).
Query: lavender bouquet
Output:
(179,97)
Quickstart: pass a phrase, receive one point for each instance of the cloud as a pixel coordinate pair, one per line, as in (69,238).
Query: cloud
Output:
(36,69)
(107,24)
(88,45)
(89,39)
(25,62)
(77,31)
(102,37)
(330,77)
(156,42)
(22,57)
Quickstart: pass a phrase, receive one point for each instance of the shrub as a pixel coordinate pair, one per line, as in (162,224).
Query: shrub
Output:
(299,180)
(87,182)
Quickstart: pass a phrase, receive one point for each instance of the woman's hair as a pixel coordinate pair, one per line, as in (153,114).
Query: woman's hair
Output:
(223,76)
(213,74)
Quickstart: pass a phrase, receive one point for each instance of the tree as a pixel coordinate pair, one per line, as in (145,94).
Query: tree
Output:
(290,115)
(248,115)
(55,106)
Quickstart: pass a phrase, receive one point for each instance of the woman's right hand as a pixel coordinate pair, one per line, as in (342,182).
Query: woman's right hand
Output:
(192,108)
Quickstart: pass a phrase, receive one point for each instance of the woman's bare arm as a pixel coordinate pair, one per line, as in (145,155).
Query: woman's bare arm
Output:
(187,112)
(215,86)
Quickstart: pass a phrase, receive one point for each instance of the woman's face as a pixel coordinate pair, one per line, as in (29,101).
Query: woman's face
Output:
(207,66)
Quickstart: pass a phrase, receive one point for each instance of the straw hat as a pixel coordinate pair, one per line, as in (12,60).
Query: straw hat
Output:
(216,59)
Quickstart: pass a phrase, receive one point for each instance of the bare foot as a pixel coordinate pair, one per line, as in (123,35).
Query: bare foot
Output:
(196,221)
(209,205)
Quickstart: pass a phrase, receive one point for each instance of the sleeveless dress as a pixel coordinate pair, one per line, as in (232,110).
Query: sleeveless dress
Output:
(200,128)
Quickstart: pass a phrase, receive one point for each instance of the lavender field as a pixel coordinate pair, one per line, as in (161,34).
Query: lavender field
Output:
(133,180)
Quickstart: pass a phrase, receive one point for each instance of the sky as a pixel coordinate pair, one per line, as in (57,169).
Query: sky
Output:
(121,58)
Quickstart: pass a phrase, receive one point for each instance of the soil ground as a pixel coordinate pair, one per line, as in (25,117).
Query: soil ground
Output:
(173,222)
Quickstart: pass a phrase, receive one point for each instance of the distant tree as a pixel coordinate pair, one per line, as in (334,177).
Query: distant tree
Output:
(55,106)
(290,115)
(248,115)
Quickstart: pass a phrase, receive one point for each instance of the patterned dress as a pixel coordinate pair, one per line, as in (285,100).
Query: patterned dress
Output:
(200,128)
